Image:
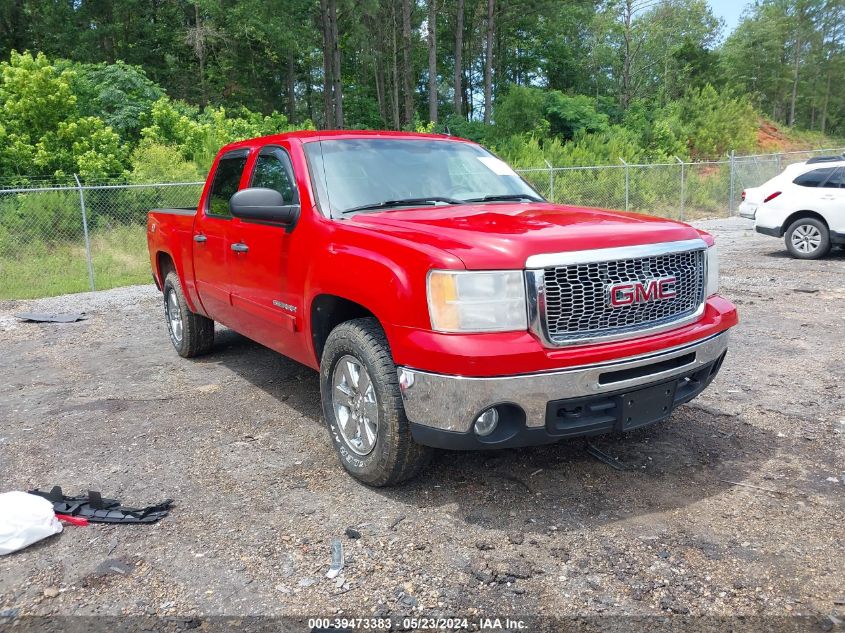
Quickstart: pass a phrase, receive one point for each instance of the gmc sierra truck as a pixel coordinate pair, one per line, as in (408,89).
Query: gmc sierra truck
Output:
(444,302)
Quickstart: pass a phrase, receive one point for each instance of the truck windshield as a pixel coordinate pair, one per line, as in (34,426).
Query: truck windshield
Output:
(353,175)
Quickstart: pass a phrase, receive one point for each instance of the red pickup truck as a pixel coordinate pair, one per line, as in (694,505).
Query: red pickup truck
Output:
(444,302)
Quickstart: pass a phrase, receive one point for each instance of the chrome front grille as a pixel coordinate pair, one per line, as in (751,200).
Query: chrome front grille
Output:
(575,301)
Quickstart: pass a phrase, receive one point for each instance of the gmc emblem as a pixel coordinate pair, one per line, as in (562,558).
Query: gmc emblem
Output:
(630,293)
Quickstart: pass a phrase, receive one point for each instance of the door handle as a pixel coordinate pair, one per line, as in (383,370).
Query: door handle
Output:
(240,247)
(199,238)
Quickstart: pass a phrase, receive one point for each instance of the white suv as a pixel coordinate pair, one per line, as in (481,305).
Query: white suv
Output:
(805,205)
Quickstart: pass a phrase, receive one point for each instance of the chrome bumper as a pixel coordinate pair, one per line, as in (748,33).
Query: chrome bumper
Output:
(451,403)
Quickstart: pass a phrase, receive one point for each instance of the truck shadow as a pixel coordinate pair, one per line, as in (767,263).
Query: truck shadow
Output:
(692,456)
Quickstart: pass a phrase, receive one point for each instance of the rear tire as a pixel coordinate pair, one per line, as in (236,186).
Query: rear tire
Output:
(363,407)
(807,238)
(191,334)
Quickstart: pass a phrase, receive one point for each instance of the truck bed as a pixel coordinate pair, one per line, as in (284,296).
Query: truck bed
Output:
(169,234)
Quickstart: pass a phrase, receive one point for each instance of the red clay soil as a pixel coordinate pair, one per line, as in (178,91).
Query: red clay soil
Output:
(770,138)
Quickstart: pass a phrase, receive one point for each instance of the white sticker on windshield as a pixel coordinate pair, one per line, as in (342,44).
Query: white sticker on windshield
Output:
(498,167)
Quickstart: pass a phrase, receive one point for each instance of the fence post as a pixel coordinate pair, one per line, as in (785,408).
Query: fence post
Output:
(733,180)
(683,187)
(85,232)
(627,181)
(551,180)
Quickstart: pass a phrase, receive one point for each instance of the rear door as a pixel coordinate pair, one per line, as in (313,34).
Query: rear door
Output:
(212,240)
(832,193)
(265,304)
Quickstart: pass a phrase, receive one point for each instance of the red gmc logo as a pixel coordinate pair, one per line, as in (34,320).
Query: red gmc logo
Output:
(627,294)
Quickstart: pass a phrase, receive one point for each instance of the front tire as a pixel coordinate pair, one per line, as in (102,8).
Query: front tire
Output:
(807,238)
(363,407)
(191,334)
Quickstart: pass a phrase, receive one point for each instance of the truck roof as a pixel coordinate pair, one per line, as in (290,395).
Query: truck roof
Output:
(321,135)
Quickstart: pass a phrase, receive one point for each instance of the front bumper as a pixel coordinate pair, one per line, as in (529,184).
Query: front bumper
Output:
(545,407)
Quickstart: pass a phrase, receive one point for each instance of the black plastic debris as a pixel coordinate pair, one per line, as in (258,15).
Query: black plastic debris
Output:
(51,317)
(600,455)
(99,510)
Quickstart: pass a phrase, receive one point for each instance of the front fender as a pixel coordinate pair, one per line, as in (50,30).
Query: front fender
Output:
(383,274)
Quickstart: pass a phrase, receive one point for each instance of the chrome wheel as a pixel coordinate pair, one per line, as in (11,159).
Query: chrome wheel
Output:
(355,405)
(806,238)
(174,316)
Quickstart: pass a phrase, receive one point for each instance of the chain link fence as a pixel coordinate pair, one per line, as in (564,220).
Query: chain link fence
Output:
(63,238)
(679,190)
(59,237)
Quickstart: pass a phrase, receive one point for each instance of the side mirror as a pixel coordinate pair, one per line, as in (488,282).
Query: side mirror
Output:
(266,206)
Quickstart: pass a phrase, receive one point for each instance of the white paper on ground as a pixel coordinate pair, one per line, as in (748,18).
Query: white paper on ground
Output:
(24,520)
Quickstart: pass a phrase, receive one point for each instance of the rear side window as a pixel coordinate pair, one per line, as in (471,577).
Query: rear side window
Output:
(815,178)
(273,171)
(226,181)
(837,180)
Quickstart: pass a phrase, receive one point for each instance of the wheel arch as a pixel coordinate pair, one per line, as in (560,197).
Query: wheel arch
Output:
(798,215)
(164,264)
(327,311)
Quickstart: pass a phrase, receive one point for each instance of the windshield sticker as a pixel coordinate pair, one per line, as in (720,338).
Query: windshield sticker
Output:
(498,167)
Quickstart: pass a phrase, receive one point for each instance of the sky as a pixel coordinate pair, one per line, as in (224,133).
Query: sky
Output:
(729,11)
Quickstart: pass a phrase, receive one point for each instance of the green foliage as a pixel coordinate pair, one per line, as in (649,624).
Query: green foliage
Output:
(120,94)
(570,116)
(35,96)
(84,146)
(524,110)
(34,100)
(460,127)
(64,118)
(716,124)
(154,162)
(521,110)
(199,135)
(42,132)
(46,217)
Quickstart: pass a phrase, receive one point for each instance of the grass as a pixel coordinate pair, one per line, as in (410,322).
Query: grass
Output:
(119,257)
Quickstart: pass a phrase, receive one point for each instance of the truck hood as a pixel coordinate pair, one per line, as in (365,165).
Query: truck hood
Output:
(504,235)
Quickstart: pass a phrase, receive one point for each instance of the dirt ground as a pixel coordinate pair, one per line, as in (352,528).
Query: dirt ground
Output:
(734,506)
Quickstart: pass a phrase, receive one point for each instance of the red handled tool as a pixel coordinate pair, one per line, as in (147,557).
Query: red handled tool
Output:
(77,521)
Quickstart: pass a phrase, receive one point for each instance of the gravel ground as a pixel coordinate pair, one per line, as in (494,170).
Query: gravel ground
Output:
(732,507)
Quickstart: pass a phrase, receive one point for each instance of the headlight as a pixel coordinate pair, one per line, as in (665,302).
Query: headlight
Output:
(712,271)
(469,301)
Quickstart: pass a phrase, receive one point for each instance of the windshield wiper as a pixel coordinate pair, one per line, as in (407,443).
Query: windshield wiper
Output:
(505,197)
(431,200)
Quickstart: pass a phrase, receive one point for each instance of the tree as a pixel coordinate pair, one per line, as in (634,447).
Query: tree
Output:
(785,54)
(432,60)
(407,84)
(488,64)
(459,46)
(42,132)
(335,53)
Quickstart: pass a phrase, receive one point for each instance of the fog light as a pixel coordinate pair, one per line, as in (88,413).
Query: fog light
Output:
(486,423)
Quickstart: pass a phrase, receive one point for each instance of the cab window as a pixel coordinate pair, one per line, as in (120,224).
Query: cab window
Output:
(273,171)
(226,181)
